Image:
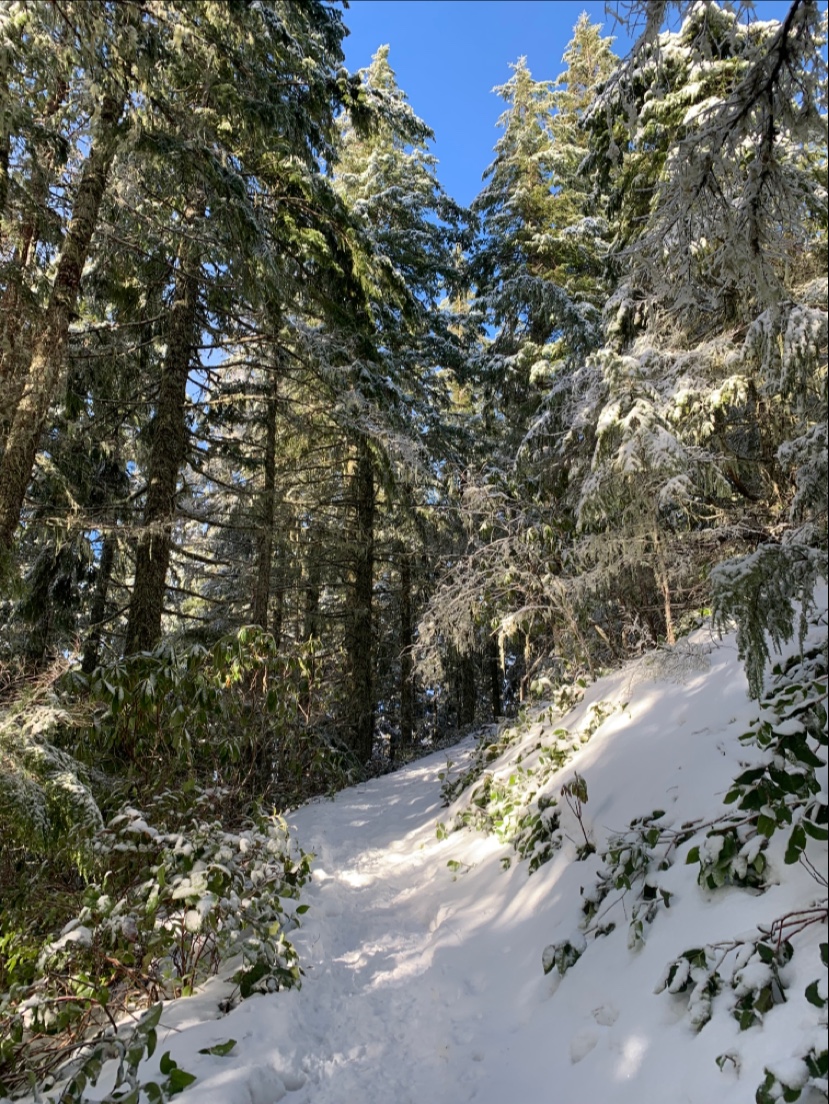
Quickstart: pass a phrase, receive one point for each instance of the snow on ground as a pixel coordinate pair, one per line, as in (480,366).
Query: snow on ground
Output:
(423,957)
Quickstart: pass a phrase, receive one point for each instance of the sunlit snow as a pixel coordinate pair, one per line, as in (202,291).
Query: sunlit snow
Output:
(422,958)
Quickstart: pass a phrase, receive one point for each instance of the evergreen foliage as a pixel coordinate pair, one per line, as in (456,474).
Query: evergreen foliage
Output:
(47,802)
(172,896)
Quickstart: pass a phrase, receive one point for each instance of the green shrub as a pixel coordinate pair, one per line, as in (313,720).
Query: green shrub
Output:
(517,807)
(175,899)
(233,714)
(47,803)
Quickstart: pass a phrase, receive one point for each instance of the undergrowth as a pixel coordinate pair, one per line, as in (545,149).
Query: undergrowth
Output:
(518,805)
(117,894)
(170,899)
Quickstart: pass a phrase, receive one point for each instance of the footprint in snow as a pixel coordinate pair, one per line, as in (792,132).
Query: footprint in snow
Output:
(476,983)
(606,1015)
(258,1085)
(442,914)
(581,1044)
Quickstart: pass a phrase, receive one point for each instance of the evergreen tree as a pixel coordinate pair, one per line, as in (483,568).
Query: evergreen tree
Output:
(511,265)
(539,265)
(541,274)
(701,417)
(410,228)
(99,96)
(205,89)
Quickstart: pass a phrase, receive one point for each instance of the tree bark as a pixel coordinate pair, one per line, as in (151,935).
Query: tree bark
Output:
(5,150)
(466,689)
(664,587)
(46,364)
(311,572)
(407,701)
(167,454)
(360,632)
(12,315)
(267,512)
(278,601)
(496,678)
(98,612)
(5,153)
(311,575)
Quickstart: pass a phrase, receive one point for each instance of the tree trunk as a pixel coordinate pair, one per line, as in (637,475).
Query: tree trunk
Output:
(309,630)
(359,639)
(47,357)
(466,689)
(670,632)
(267,511)
(665,588)
(278,602)
(407,701)
(5,150)
(167,454)
(496,678)
(13,360)
(99,604)
(13,365)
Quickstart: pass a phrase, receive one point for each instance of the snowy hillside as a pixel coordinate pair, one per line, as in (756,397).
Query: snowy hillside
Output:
(422,955)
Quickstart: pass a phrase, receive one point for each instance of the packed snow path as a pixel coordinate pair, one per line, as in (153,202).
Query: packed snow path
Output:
(398,1003)
(400,986)
(423,979)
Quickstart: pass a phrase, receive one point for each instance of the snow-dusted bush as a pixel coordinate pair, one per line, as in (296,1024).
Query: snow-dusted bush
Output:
(128,1051)
(46,799)
(517,804)
(174,899)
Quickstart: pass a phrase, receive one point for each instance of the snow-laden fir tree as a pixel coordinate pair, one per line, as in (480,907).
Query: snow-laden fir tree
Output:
(540,273)
(391,394)
(698,429)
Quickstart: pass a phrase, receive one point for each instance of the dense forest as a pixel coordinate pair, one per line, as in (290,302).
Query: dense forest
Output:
(305,469)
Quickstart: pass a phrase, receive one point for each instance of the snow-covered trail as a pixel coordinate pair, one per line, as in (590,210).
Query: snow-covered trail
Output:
(408,995)
(382,957)
(377,1004)
(423,979)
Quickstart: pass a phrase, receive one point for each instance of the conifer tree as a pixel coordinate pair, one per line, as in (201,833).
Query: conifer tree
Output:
(510,267)
(99,94)
(409,227)
(699,421)
(541,274)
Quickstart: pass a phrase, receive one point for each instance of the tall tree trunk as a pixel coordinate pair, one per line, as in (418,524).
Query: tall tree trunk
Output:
(310,625)
(664,587)
(5,153)
(13,361)
(360,632)
(167,453)
(267,511)
(496,677)
(46,364)
(278,600)
(466,689)
(310,621)
(5,150)
(407,700)
(97,614)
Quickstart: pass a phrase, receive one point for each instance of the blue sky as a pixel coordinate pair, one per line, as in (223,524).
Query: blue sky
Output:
(448,55)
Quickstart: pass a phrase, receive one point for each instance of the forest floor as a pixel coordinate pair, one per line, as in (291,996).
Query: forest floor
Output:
(422,957)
